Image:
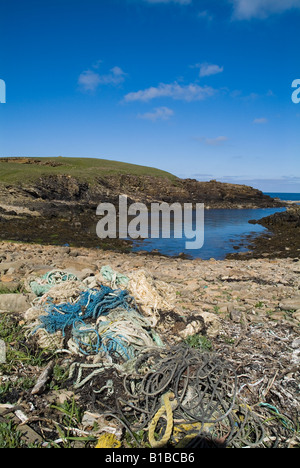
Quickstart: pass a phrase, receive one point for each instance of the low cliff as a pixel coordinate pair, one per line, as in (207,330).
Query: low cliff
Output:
(32,181)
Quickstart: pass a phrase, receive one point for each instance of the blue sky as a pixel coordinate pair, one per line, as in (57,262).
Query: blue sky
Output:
(200,88)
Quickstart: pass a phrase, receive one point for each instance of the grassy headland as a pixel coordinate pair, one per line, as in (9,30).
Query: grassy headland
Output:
(18,170)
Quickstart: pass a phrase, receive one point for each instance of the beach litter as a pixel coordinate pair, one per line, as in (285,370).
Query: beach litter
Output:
(159,393)
(40,286)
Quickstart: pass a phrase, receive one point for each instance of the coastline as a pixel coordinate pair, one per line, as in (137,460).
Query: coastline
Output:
(61,223)
(245,309)
(54,200)
(281,240)
(248,311)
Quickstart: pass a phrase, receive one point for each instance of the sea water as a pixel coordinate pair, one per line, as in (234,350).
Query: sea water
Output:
(225,231)
(285,196)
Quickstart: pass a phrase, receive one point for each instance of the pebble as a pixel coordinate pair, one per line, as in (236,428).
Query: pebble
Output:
(292,303)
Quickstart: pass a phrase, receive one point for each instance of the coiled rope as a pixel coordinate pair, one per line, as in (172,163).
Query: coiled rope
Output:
(42,285)
(204,388)
(176,391)
(167,407)
(115,278)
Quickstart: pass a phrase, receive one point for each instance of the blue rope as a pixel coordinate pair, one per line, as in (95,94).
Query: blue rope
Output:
(83,345)
(91,304)
(115,344)
(108,342)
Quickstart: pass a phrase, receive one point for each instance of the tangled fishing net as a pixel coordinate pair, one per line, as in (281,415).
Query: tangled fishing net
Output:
(98,320)
(41,286)
(177,392)
(173,394)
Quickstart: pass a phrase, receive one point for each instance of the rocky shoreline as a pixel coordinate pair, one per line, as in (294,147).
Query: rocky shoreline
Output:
(282,240)
(56,204)
(248,310)
(224,284)
(73,223)
(61,214)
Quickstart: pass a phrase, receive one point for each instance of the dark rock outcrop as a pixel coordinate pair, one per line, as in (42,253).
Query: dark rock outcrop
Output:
(144,189)
(282,238)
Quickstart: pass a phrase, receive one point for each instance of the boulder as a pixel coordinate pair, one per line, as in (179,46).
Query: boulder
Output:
(192,328)
(292,303)
(15,302)
(212,325)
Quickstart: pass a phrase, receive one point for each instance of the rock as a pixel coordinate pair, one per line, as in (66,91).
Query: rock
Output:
(296,343)
(78,266)
(192,285)
(212,324)
(7,278)
(235,315)
(296,315)
(60,396)
(28,435)
(223,309)
(296,357)
(193,328)
(87,272)
(278,315)
(15,302)
(5,266)
(73,253)
(43,379)
(292,303)
(10,286)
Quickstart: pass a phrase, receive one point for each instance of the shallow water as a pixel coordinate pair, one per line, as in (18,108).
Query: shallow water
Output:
(223,230)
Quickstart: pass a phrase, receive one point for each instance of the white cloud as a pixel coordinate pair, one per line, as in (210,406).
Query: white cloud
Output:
(115,77)
(261,120)
(242,9)
(248,9)
(89,80)
(218,141)
(160,113)
(208,69)
(188,93)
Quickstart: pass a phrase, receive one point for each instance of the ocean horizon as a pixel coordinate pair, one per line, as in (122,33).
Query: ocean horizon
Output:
(284,196)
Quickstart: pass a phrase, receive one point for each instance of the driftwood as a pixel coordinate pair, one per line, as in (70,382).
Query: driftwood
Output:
(43,379)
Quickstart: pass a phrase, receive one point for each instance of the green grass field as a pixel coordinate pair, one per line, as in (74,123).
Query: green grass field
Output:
(17,171)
